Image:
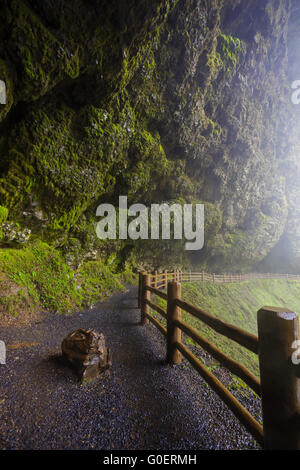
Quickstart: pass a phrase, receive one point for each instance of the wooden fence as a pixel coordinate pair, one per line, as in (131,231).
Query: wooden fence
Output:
(278,385)
(218,278)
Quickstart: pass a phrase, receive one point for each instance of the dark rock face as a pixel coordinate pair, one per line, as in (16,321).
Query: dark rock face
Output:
(286,252)
(86,351)
(169,100)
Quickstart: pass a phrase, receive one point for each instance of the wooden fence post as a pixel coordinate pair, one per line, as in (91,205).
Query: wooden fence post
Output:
(165,278)
(173,332)
(145,309)
(140,290)
(155,279)
(277,330)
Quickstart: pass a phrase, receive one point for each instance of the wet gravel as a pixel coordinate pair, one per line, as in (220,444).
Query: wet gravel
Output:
(142,404)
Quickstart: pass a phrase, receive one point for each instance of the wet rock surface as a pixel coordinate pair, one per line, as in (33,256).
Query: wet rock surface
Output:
(163,100)
(143,404)
(86,352)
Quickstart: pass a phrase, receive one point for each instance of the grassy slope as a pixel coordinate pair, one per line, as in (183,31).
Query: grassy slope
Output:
(37,278)
(238,304)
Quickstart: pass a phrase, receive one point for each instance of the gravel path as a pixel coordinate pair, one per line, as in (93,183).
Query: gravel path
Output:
(142,404)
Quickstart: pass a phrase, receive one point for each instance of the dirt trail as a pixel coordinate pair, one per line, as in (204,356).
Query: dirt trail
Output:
(142,404)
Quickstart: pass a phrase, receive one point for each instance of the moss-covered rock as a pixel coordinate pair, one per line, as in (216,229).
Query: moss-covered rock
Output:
(160,101)
(38,278)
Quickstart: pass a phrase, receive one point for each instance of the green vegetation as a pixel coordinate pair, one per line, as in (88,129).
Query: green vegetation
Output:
(3,214)
(96,281)
(143,108)
(230,47)
(225,53)
(3,217)
(238,304)
(39,278)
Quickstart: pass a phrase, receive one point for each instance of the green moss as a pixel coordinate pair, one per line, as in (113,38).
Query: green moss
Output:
(214,62)
(39,67)
(96,281)
(68,160)
(131,105)
(71,160)
(229,48)
(213,128)
(128,277)
(42,271)
(66,174)
(224,54)
(3,214)
(45,281)
(14,303)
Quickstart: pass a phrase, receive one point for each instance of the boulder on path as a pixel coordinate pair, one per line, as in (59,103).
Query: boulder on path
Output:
(86,351)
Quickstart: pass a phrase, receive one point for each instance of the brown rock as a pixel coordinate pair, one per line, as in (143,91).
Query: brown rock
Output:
(86,351)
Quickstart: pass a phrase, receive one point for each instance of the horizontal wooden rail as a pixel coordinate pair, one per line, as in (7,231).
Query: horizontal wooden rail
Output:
(238,335)
(232,365)
(240,412)
(180,276)
(158,325)
(157,292)
(157,308)
(160,284)
(279,382)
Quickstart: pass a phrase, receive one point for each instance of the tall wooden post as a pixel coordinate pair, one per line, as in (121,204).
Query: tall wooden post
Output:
(173,332)
(277,330)
(165,278)
(145,309)
(140,288)
(155,279)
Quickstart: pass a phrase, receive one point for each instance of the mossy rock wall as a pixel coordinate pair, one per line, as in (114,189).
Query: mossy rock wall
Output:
(161,101)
